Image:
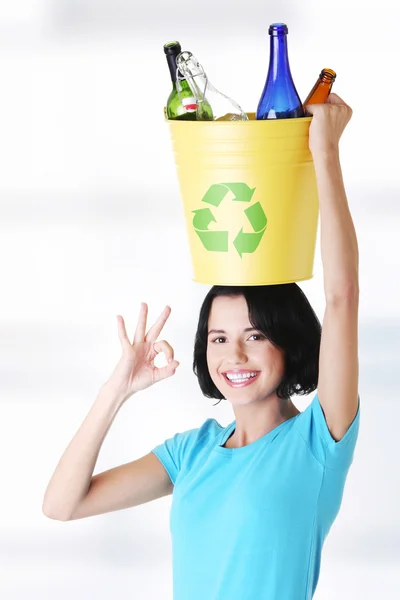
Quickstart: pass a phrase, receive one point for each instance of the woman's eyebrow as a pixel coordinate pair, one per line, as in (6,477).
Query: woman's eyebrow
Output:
(222,331)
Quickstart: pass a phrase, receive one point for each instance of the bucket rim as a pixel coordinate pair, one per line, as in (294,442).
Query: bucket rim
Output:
(240,123)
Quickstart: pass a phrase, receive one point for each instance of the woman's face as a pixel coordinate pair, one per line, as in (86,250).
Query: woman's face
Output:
(237,351)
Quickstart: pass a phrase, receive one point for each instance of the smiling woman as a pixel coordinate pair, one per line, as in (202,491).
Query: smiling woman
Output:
(284,323)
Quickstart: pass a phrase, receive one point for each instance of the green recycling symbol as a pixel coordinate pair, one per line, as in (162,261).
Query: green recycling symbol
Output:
(217,241)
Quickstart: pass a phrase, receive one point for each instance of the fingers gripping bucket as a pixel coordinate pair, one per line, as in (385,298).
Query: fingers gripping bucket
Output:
(250,199)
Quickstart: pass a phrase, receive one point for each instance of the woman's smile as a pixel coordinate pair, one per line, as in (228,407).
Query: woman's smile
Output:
(240,378)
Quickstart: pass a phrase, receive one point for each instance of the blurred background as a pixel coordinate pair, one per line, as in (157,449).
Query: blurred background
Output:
(91,224)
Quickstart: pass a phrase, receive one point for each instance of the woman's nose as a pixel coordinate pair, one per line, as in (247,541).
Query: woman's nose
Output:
(237,355)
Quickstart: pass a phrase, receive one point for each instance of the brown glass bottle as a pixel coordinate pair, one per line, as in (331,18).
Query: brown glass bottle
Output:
(321,89)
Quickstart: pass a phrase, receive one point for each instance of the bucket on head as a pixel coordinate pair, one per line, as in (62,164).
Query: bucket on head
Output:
(250,199)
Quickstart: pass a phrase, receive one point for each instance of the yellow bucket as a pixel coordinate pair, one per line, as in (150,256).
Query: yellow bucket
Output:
(250,199)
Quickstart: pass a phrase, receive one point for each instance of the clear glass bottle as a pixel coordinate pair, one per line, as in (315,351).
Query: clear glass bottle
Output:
(279,99)
(212,104)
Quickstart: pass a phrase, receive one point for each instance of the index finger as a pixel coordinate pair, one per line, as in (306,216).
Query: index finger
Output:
(155,329)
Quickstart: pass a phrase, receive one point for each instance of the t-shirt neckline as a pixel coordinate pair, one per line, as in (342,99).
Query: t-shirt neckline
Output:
(264,440)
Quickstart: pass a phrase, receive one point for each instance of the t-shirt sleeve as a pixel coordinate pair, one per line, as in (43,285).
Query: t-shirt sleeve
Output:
(171,453)
(330,453)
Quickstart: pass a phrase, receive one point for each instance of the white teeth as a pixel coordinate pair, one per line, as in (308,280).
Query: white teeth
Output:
(240,377)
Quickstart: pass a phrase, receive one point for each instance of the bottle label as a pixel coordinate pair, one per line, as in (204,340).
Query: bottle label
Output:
(190,104)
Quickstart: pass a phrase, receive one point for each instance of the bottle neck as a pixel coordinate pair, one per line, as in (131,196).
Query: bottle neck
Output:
(171,60)
(326,80)
(279,59)
(327,76)
(195,78)
(198,85)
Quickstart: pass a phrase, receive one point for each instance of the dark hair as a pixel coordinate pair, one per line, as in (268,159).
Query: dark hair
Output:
(284,315)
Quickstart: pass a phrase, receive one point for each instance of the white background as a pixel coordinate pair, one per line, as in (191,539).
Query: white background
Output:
(91,225)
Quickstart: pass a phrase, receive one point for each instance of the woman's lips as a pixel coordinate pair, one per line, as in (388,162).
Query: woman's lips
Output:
(240,384)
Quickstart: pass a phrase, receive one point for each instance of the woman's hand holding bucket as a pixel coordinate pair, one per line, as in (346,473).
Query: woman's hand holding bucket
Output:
(327,125)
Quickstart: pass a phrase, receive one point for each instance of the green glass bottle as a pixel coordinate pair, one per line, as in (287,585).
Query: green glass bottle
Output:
(182,105)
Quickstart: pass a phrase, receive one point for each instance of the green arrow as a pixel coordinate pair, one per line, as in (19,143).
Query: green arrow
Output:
(256,216)
(202,218)
(215,241)
(241,190)
(215,194)
(248,242)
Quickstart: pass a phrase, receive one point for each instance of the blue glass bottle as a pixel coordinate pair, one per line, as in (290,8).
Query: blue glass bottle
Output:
(279,99)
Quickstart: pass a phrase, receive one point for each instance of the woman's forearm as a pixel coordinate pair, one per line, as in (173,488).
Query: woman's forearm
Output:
(71,479)
(339,247)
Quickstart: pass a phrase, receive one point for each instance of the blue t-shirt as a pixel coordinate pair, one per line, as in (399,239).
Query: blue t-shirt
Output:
(249,523)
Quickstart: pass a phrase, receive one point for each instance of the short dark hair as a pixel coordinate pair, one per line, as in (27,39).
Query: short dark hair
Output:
(284,315)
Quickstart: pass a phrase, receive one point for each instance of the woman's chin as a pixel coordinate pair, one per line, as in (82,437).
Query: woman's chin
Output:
(242,400)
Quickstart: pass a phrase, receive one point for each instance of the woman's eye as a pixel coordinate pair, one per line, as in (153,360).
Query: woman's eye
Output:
(259,336)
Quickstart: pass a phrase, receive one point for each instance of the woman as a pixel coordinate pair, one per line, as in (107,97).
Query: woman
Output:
(254,501)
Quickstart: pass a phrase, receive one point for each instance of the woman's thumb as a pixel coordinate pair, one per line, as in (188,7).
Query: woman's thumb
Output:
(310,109)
